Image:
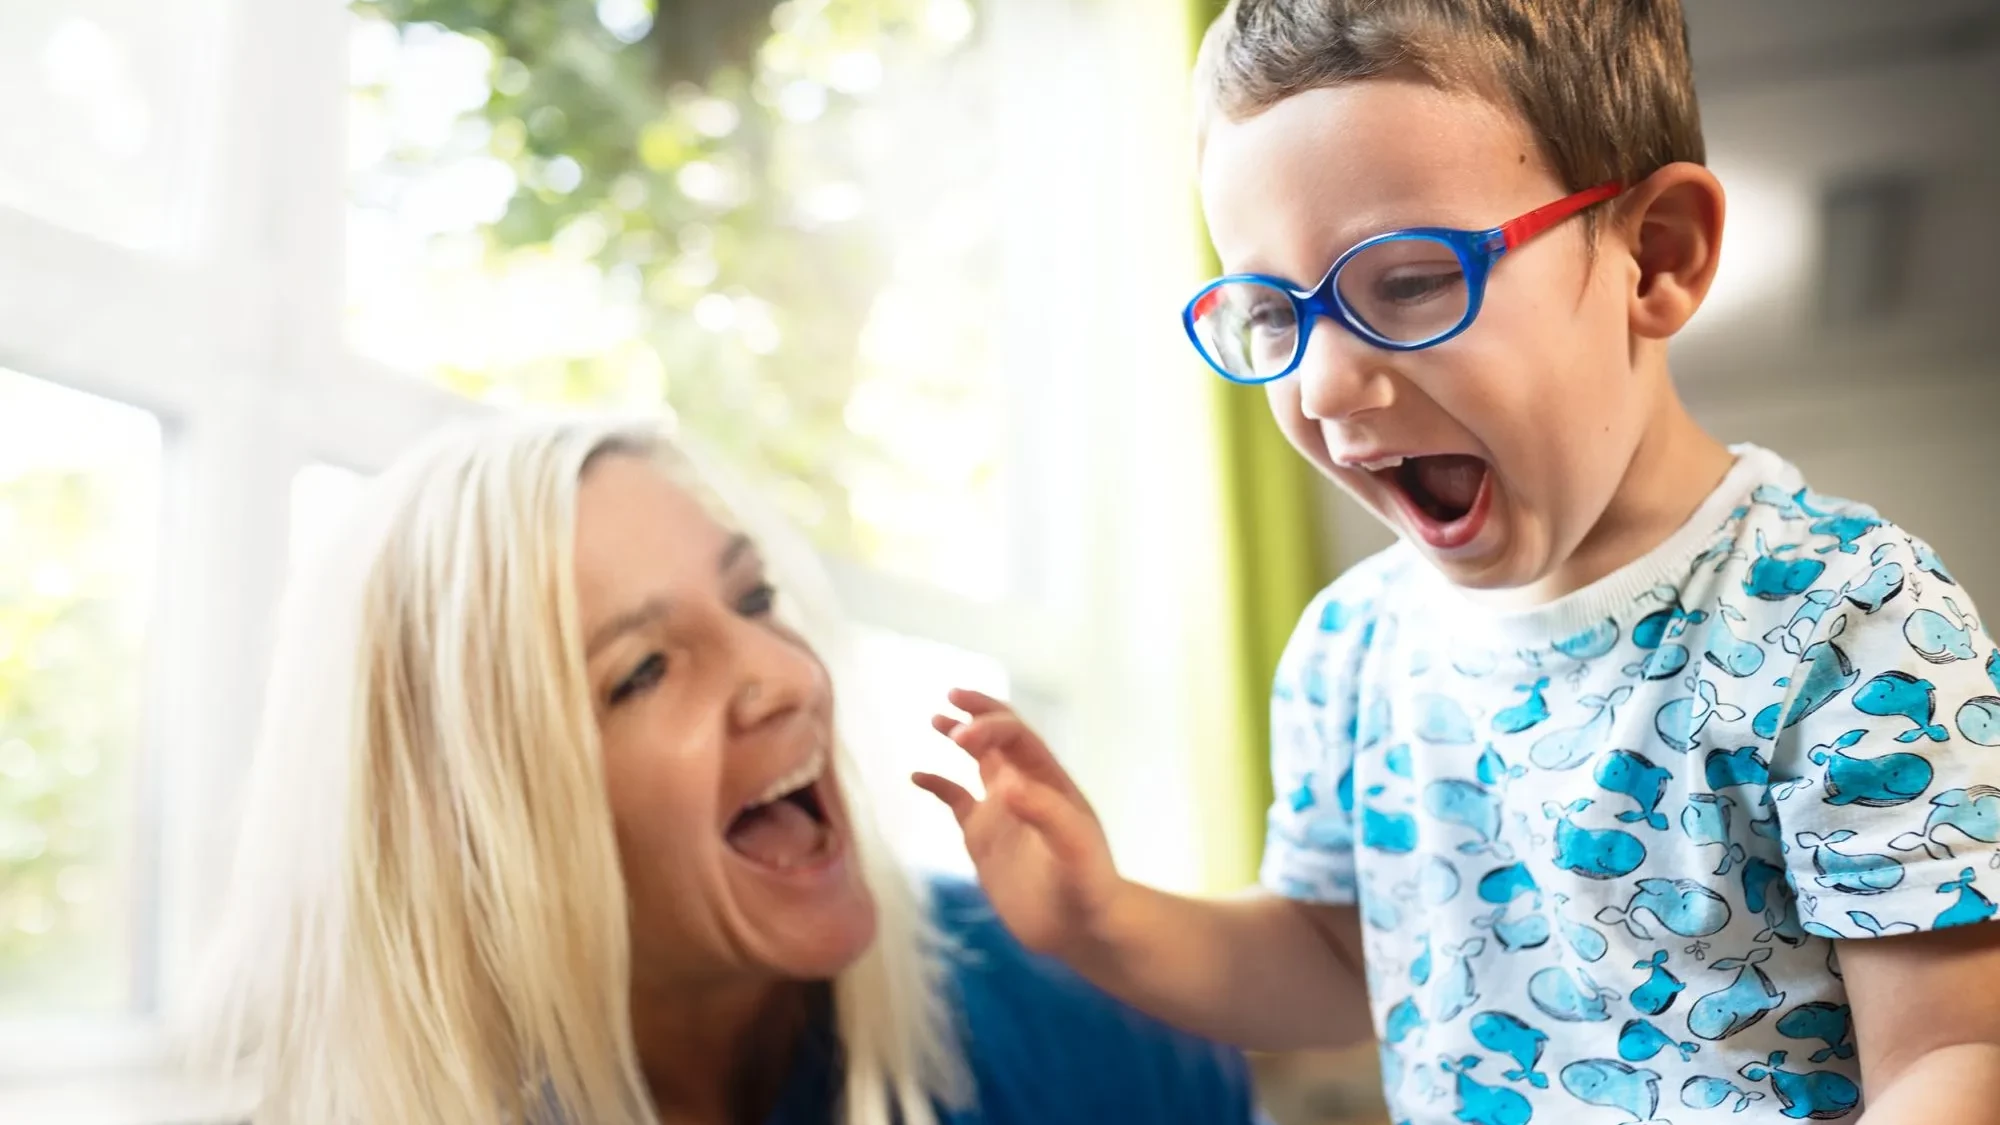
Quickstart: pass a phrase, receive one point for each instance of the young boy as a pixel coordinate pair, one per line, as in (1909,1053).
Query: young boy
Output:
(1638,778)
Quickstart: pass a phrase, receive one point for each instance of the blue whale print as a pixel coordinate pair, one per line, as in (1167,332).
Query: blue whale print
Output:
(1639,1041)
(1794,635)
(1455,989)
(1896,694)
(1971,905)
(1848,528)
(1391,832)
(1993,669)
(1403,1021)
(1884,782)
(1471,806)
(1505,884)
(1725,1012)
(1396,759)
(1613,1084)
(1485,1105)
(1973,812)
(1726,769)
(1660,626)
(1865,874)
(1927,561)
(1556,991)
(1442,722)
(1704,1092)
(1335,616)
(1774,578)
(1585,942)
(1979,721)
(1420,969)
(1766,892)
(1680,721)
(1475,664)
(1494,770)
(1657,994)
(1683,906)
(1438,882)
(1937,638)
(1831,1024)
(1502,1033)
(1631,774)
(1829,672)
(1880,588)
(1530,931)
(1568,749)
(1729,652)
(1592,642)
(1817,1095)
(1527,713)
(1594,853)
(1372,726)
(1706,822)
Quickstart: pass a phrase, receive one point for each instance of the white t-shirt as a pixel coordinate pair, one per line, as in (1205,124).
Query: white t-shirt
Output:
(1600,846)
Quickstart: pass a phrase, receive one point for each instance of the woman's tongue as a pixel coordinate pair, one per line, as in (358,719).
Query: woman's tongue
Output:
(1446,485)
(780,834)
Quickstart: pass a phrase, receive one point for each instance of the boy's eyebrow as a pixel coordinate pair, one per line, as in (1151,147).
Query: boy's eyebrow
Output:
(656,608)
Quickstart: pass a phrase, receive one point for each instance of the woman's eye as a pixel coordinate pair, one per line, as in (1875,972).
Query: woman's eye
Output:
(758,602)
(650,671)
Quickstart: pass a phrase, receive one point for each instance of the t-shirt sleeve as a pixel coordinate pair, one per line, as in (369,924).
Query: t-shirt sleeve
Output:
(1884,772)
(1309,835)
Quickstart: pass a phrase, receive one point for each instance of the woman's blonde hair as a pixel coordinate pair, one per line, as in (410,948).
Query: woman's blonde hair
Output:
(428,922)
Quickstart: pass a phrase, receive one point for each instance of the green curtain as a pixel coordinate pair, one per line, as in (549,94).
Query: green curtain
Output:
(1271,567)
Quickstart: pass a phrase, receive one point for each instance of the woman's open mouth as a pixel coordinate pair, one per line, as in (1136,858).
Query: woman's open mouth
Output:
(789,827)
(1445,497)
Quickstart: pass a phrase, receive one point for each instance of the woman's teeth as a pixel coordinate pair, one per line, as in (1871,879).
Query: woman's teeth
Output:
(1379,465)
(807,773)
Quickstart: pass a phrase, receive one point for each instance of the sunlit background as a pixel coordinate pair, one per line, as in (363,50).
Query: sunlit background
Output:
(910,267)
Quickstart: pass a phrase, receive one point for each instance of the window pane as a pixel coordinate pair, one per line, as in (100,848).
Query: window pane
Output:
(104,97)
(796,251)
(79,484)
(902,681)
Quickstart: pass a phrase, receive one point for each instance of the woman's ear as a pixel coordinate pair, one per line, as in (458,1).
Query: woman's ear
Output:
(1671,224)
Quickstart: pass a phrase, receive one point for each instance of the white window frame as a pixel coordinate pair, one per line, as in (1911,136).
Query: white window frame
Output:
(238,347)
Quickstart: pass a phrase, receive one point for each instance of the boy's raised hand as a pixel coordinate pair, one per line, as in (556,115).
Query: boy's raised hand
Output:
(1039,849)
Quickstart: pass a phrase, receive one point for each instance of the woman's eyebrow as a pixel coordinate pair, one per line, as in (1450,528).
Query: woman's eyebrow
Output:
(739,545)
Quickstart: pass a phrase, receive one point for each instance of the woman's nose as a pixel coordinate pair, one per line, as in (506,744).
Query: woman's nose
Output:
(777,675)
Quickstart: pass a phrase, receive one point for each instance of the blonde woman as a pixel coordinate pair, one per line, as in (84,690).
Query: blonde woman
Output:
(551,825)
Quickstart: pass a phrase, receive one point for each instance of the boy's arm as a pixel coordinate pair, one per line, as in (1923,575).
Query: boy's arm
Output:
(1927,1024)
(1261,971)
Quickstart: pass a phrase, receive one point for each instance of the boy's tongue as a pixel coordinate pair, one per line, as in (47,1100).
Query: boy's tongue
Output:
(780,835)
(1452,480)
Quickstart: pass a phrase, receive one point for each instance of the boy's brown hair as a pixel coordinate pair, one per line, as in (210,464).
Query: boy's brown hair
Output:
(1605,86)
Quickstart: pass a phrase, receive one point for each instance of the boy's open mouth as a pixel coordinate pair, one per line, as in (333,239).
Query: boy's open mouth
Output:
(1445,494)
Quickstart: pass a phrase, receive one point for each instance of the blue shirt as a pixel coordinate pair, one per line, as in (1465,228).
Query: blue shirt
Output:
(1603,849)
(1044,1047)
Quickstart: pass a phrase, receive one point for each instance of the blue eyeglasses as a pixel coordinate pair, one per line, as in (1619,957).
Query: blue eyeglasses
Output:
(1403,291)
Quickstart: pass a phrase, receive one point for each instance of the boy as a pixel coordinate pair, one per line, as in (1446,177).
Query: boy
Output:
(1637,778)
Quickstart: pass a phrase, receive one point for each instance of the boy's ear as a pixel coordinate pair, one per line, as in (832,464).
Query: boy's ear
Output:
(1671,222)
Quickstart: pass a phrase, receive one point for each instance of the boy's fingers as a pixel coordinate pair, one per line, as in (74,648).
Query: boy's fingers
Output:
(1050,813)
(945,724)
(1011,737)
(954,795)
(975,703)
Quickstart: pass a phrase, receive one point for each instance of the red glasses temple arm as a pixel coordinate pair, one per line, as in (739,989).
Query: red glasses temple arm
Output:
(1542,218)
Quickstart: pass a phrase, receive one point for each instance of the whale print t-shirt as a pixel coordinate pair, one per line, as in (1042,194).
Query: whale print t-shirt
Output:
(1600,847)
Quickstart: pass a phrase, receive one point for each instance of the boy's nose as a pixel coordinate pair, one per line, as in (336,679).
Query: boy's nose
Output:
(1341,376)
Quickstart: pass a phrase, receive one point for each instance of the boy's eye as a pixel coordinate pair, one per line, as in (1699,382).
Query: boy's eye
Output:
(1414,286)
(649,672)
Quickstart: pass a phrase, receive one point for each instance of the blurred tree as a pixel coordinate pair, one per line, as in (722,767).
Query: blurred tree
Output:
(68,698)
(710,157)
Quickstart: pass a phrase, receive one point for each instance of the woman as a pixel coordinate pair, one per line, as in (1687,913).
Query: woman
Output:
(550,825)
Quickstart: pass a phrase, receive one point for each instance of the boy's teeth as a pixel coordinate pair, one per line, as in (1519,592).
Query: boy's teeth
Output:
(805,775)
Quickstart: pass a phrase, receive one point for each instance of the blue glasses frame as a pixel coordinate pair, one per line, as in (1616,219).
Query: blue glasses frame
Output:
(1477,251)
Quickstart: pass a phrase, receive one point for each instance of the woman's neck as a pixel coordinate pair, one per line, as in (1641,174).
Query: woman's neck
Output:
(718,1054)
